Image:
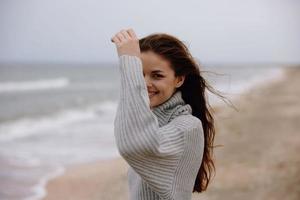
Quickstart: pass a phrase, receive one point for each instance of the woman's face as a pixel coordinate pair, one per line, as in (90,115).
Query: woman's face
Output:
(159,77)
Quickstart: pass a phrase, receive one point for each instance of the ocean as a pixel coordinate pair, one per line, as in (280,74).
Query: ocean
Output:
(56,115)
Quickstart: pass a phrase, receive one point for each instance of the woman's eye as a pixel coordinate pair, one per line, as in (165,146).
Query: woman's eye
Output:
(157,76)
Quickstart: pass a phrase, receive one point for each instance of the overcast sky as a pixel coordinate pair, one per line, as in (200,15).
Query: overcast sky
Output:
(214,30)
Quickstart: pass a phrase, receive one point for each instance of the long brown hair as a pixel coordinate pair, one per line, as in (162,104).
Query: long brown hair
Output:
(193,93)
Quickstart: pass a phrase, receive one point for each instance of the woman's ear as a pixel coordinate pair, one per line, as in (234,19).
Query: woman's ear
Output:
(179,81)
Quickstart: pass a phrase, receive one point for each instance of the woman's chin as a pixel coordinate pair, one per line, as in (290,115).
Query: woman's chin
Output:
(153,101)
(152,104)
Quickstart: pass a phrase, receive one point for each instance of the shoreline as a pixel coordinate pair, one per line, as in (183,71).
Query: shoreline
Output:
(107,179)
(78,176)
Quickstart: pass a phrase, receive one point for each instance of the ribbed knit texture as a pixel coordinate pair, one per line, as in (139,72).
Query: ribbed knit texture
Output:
(163,146)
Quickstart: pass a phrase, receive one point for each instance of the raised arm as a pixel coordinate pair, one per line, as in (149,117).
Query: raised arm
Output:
(149,149)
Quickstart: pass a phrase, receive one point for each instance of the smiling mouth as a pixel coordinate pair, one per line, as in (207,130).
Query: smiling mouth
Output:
(151,94)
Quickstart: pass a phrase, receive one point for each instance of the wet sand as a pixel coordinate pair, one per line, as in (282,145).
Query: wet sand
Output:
(258,160)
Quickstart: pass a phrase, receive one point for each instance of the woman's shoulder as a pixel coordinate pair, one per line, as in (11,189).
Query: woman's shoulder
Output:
(187,122)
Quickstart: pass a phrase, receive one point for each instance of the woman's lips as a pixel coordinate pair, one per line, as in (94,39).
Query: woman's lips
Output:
(151,94)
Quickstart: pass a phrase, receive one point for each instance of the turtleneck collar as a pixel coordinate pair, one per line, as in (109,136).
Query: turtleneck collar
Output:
(171,108)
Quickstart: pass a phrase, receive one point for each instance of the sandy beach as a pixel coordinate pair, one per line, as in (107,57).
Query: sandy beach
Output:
(258,160)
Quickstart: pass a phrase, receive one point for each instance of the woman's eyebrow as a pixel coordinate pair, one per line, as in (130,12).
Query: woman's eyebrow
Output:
(157,71)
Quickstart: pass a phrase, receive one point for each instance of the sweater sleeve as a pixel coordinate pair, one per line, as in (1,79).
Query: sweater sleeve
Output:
(152,151)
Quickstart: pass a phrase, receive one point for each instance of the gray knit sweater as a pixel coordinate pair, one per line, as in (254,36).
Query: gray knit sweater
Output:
(163,146)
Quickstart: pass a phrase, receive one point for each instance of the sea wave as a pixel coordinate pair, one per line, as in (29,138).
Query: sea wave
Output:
(41,84)
(29,126)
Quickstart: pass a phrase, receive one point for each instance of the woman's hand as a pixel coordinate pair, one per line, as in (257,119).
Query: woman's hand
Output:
(127,43)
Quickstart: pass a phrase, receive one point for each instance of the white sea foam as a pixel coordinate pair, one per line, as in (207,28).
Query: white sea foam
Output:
(30,126)
(39,190)
(41,84)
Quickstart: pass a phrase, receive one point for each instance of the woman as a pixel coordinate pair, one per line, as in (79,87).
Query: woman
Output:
(163,126)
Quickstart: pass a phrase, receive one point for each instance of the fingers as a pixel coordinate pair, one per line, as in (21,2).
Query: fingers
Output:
(115,39)
(121,37)
(124,35)
(132,33)
(118,38)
